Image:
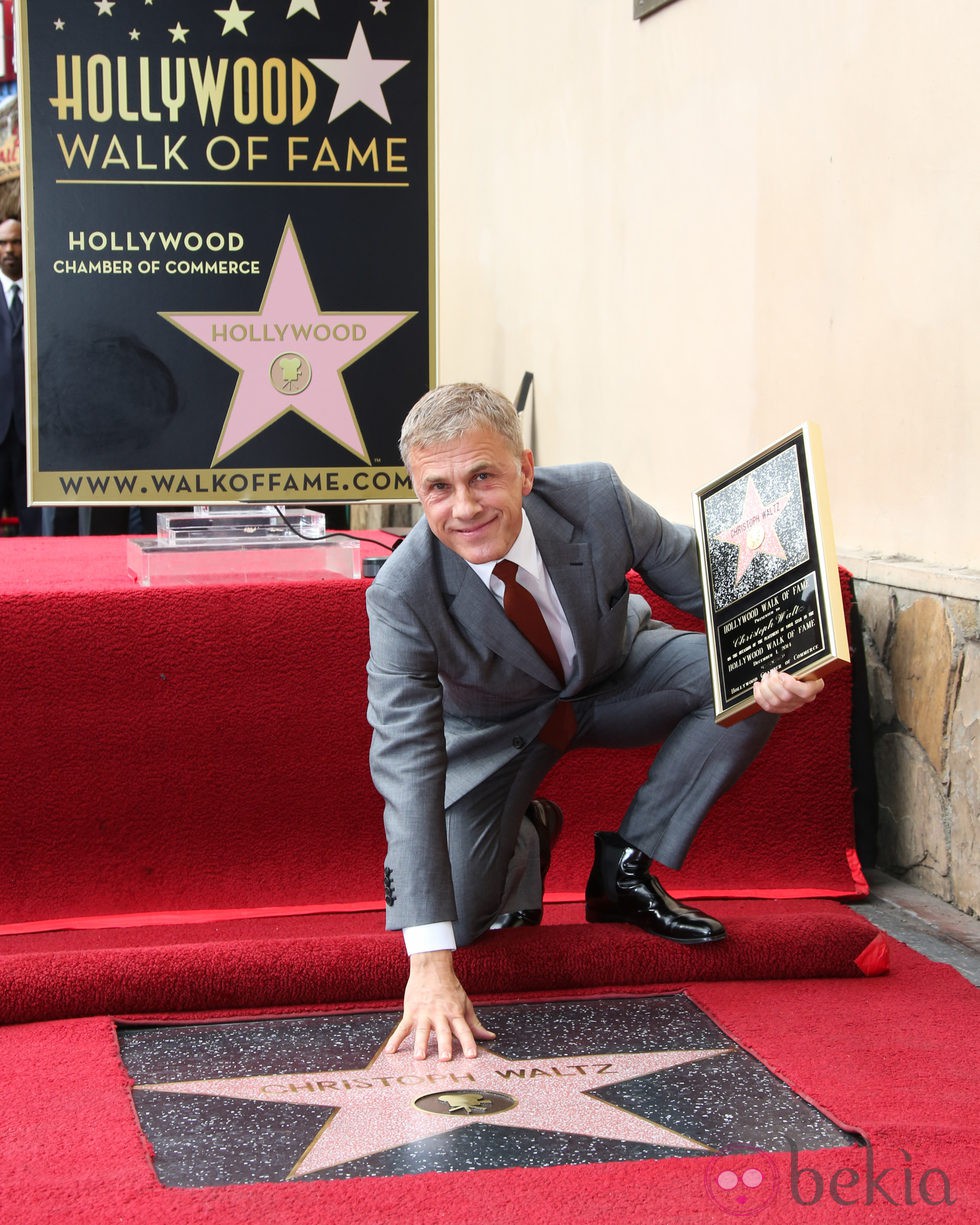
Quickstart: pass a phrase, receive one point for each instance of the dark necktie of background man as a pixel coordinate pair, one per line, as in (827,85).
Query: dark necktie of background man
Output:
(17,318)
(17,350)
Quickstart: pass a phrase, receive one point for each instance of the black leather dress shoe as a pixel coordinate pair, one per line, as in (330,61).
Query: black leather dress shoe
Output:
(517,918)
(547,819)
(621,890)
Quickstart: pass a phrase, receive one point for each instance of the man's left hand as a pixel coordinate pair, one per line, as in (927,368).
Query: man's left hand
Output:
(780,694)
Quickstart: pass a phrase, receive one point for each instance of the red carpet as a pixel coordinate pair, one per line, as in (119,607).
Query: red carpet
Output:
(171,749)
(892,1058)
(176,751)
(349,959)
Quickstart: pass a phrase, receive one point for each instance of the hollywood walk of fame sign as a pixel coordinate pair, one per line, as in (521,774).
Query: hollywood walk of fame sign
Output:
(229,247)
(772,593)
(565,1083)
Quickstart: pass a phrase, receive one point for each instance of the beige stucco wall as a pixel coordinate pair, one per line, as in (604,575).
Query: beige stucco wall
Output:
(701,229)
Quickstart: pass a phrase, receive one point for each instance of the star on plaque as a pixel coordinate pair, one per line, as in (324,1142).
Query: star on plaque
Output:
(303,6)
(359,78)
(755,532)
(290,355)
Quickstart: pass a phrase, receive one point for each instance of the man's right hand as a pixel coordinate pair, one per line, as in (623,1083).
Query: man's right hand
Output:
(435,1002)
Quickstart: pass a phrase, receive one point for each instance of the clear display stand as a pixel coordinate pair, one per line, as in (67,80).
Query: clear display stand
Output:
(234,544)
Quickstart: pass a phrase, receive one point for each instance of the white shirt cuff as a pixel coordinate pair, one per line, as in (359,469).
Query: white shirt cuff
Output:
(428,937)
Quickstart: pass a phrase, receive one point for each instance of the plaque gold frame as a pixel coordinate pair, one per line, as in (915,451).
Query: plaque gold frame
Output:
(772,594)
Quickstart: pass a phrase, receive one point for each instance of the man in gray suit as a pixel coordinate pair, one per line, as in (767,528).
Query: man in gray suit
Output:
(470,712)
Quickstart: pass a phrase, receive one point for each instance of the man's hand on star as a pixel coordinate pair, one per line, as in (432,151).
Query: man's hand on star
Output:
(778,693)
(435,1003)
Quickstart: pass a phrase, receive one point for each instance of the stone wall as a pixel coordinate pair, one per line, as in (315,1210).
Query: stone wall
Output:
(921,628)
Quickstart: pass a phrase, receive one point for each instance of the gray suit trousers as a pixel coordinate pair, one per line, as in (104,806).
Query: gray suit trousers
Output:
(661,695)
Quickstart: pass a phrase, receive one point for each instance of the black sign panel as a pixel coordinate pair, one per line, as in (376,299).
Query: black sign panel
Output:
(229,247)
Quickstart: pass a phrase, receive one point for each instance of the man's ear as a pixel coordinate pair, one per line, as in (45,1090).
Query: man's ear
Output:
(527,472)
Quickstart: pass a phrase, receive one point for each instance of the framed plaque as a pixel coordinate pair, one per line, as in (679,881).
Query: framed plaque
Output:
(772,595)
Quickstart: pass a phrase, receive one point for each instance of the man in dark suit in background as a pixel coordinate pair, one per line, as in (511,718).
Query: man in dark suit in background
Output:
(13,421)
(473,696)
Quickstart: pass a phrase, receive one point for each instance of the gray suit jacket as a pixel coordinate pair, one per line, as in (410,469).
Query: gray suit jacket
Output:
(454,690)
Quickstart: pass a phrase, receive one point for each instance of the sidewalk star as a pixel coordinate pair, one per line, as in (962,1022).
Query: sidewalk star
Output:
(395,1100)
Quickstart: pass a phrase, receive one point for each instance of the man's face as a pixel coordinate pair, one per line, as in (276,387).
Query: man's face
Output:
(11,256)
(472,490)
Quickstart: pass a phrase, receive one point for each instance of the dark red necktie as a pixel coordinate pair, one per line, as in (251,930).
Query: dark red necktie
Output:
(523,609)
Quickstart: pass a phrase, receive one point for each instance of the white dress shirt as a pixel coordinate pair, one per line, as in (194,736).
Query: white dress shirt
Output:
(429,937)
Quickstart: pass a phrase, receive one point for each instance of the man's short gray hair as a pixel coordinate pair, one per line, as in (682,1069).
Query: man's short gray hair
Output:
(448,412)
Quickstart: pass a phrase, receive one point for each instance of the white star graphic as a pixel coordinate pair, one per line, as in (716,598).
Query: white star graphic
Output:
(359,78)
(105,7)
(59,24)
(234,18)
(178,33)
(376,1106)
(380,6)
(134,36)
(302,6)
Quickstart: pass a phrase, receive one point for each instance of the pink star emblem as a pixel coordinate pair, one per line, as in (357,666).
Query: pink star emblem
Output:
(755,532)
(396,1100)
(289,354)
